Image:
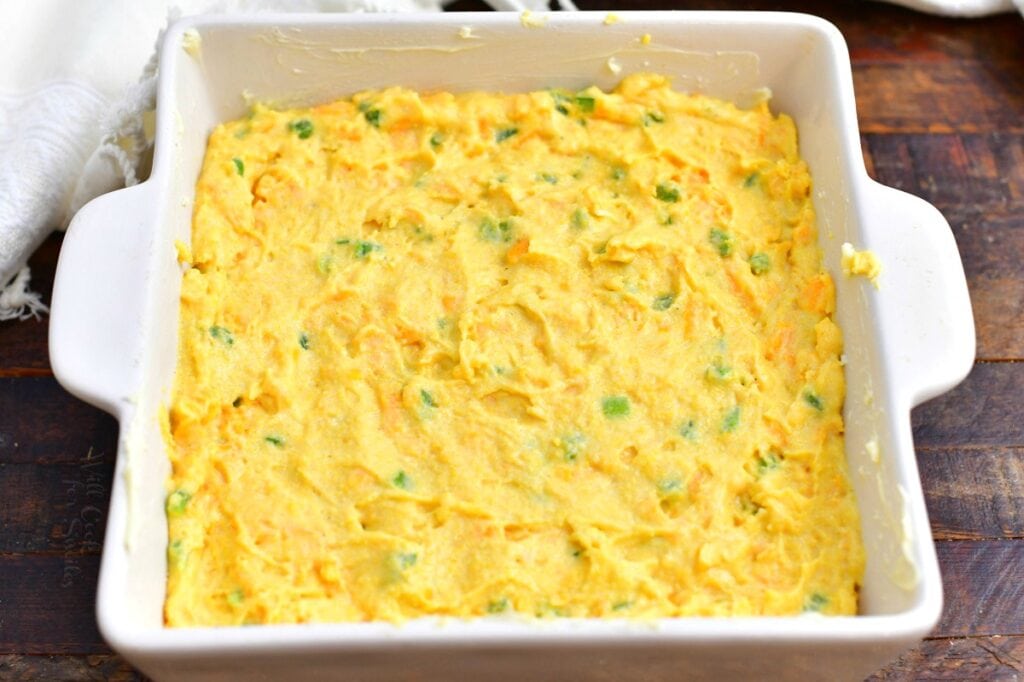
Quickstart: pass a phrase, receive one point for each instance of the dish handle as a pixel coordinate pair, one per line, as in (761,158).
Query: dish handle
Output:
(99,296)
(923,301)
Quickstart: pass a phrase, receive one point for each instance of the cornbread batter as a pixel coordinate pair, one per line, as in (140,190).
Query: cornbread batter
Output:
(860,263)
(552,354)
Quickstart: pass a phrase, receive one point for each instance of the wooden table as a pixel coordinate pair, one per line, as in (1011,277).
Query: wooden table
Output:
(941,106)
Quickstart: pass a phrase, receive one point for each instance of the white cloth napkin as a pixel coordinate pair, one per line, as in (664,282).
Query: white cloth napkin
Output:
(77,77)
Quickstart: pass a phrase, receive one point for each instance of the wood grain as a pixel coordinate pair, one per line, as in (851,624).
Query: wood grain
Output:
(20,668)
(974,493)
(899,36)
(928,96)
(983,581)
(984,410)
(58,454)
(979,170)
(994,659)
(65,510)
(991,245)
(48,604)
(41,424)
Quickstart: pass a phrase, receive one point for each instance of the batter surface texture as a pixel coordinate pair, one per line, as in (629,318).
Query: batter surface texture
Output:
(553,354)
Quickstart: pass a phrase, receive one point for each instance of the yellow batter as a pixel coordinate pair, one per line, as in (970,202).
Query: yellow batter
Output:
(553,354)
(860,263)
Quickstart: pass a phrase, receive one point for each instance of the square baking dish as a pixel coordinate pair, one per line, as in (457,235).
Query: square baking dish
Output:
(113,336)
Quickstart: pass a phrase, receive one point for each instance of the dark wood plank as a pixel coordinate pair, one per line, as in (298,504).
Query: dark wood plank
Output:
(991,244)
(23,343)
(42,424)
(17,667)
(48,604)
(58,508)
(974,493)
(897,35)
(983,582)
(955,169)
(985,410)
(58,454)
(973,658)
(938,96)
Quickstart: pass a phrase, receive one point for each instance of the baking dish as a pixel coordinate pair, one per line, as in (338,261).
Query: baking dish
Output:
(113,335)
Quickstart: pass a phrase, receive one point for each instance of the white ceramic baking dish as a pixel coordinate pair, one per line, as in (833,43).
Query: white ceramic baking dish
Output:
(113,336)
